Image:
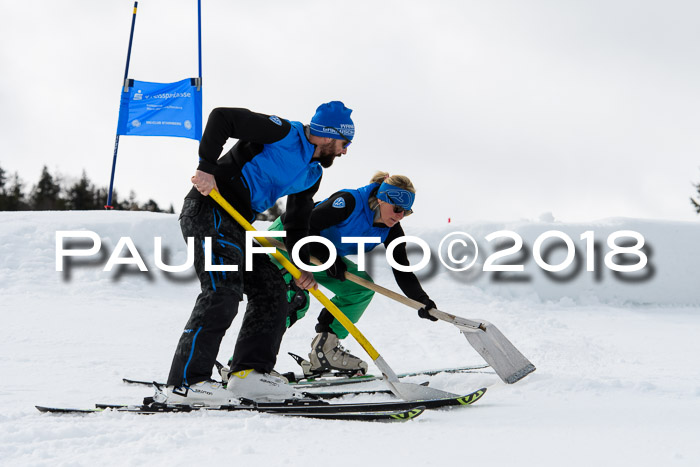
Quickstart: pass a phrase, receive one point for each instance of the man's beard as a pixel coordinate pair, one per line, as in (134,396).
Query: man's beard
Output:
(326,160)
(328,155)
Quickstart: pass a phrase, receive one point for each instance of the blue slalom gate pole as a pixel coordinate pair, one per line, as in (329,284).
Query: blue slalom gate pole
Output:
(126,74)
(199,37)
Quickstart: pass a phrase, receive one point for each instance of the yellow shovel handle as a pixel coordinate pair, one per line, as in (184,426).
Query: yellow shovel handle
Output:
(330,306)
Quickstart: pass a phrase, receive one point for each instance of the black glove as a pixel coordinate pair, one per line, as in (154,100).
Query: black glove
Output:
(337,270)
(298,300)
(423,312)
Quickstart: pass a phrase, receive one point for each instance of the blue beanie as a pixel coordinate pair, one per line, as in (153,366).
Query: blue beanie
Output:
(330,117)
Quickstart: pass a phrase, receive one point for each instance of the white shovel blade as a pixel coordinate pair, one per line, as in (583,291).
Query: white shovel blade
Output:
(507,361)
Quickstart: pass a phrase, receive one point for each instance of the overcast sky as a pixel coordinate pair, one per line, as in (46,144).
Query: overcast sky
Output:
(497,110)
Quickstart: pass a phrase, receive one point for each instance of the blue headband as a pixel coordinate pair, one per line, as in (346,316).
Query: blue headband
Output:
(394,195)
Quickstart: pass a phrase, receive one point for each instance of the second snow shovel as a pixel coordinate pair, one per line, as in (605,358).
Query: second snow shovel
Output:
(406,391)
(505,359)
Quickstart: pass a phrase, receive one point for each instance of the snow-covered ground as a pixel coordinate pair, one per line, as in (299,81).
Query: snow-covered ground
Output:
(618,361)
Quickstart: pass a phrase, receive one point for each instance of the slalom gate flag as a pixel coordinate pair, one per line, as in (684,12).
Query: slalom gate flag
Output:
(161,109)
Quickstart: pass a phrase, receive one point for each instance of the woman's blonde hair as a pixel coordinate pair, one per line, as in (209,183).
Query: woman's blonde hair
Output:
(400,181)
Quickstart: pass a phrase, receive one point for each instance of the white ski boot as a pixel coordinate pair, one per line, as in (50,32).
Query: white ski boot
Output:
(209,393)
(225,374)
(260,387)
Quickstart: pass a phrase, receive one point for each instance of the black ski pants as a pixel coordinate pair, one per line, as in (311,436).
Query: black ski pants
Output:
(216,306)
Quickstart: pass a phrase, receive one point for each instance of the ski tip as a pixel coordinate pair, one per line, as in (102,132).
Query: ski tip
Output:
(137,382)
(409,414)
(56,410)
(360,416)
(473,397)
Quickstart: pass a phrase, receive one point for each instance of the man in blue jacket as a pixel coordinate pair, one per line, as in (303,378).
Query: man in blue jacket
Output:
(273,158)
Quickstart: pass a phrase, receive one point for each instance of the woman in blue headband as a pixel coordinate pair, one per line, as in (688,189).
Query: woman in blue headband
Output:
(375,210)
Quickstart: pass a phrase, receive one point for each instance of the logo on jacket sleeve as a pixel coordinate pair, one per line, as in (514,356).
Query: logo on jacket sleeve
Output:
(339,203)
(276,120)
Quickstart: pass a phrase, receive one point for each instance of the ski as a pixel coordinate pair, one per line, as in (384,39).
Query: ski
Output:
(139,382)
(338,394)
(333,380)
(323,406)
(312,395)
(393,410)
(359,415)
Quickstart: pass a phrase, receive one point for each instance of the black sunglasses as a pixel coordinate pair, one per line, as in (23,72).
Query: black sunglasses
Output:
(347,141)
(399,209)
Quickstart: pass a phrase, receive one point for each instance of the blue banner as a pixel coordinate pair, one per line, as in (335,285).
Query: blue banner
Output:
(161,109)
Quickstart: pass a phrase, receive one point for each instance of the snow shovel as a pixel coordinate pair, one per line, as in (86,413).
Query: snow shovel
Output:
(405,391)
(506,360)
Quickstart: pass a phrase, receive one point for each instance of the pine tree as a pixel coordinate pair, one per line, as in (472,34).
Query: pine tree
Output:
(129,205)
(151,206)
(100,197)
(3,194)
(14,195)
(695,202)
(82,195)
(46,195)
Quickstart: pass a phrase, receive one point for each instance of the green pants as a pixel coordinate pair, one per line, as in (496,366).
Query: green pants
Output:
(350,298)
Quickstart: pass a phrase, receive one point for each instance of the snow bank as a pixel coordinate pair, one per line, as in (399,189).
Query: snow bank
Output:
(29,245)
